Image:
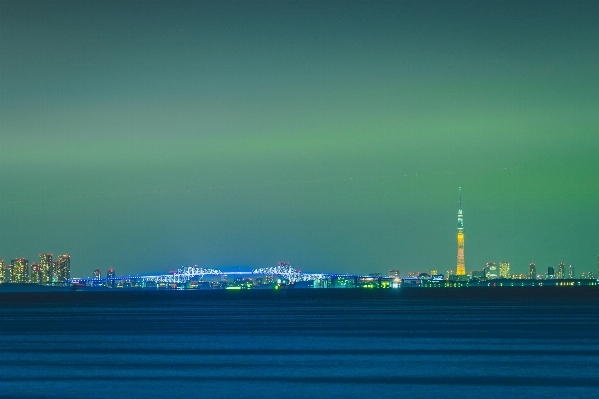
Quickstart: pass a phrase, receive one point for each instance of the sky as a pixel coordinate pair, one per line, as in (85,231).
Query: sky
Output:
(150,135)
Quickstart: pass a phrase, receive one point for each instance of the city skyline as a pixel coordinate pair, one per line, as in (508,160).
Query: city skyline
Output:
(48,271)
(145,136)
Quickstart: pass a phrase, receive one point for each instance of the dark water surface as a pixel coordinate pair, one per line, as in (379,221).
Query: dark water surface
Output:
(418,343)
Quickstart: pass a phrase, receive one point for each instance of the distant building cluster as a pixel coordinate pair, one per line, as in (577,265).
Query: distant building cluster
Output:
(46,272)
(108,282)
(492,271)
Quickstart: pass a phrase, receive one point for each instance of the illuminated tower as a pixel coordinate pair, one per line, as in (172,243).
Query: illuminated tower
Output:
(561,271)
(504,269)
(532,271)
(4,277)
(46,268)
(570,271)
(35,274)
(110,277)
(63,268)
(20,270)
(461,267)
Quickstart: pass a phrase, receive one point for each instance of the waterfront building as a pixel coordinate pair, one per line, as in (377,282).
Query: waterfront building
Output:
(571,271)
(110,276)
(97,274)
(394,273)
(19,270)
(479,274)
(532,270)
(504,269)
(35,274)
(561,271)
(461,266)
(63,268)
(491,271)
(4,275)
(7,273)
(550,272)
(423,276)
(587,276)
(46,268)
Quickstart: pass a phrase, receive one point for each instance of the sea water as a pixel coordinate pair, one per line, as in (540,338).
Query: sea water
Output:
(300,343)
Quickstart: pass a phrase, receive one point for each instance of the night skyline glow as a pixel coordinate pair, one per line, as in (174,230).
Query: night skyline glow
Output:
(149,135)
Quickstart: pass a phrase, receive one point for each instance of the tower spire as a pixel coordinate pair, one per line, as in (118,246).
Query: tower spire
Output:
(461,267)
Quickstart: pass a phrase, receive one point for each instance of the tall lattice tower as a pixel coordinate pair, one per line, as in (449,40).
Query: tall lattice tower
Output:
(461,267)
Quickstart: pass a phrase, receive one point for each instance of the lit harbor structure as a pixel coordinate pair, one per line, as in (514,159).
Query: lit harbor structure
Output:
(461,267)
(282,275)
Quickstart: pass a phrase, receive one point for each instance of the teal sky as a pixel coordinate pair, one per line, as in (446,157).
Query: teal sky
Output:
(333,135)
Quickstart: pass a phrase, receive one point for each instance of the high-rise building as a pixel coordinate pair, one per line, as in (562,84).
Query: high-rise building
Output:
(561,271)
(20,270)
(110,276)
(532,271)
(63,269)
(97,274)
(461,267)
(504,269)
(394,273)
(491,271)
(570,271)
(550,272)
(2,273)
(35,274)
(46,268)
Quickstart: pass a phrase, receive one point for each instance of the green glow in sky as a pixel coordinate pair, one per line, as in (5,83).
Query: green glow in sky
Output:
(149,135)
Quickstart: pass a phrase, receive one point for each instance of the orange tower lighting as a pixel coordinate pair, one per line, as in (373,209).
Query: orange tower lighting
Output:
(461,267)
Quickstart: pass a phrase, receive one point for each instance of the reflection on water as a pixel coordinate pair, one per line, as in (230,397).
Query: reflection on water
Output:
(298,344)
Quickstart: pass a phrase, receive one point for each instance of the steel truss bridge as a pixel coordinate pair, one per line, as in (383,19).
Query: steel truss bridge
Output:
(185,274)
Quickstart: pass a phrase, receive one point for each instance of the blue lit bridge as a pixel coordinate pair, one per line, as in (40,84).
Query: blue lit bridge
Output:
(186,274)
